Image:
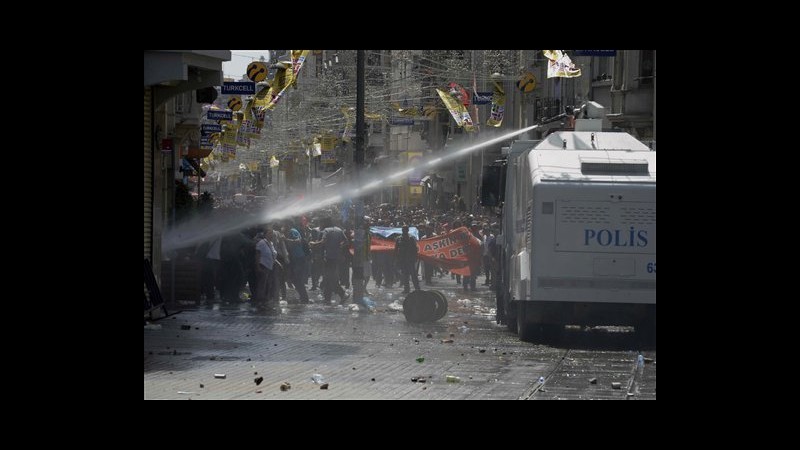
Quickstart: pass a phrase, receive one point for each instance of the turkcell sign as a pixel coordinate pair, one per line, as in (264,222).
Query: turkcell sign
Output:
(209,128)
(482,98)
(595,53)
(220,114)
(238,88)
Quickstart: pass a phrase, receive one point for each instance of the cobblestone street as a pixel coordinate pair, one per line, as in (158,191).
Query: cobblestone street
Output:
(368,355)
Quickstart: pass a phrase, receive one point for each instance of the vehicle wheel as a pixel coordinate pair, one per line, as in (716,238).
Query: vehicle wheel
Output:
(500,310)
(646,330)
(511,316)
(526,331)
(551,331)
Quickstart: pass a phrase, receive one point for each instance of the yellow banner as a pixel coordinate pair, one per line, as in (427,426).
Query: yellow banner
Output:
(498,106)
(430,110)
(248,110)
(407,112)
(285,76)
(457,110)
(262,98)
(229,136)
(298,58)
(348,117)
(328,142)
(559,65)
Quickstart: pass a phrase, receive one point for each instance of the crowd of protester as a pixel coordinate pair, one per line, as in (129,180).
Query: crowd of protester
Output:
(315,249)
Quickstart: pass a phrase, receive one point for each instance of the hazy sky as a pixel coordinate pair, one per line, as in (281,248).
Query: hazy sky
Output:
(237,66)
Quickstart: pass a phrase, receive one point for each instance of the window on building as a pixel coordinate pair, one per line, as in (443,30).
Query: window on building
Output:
(646,63)
(374,57)
(601,68)
(183,102)
(375,77)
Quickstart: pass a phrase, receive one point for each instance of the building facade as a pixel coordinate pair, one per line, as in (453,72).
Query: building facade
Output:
(171,128)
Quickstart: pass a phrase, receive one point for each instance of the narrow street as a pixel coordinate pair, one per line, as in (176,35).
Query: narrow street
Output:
(265,167)
(379,355)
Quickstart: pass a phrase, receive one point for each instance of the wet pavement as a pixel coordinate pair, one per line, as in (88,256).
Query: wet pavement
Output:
(239,351)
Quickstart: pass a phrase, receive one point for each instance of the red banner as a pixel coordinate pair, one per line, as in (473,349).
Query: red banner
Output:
(459,93)
(457,251)
(379,244)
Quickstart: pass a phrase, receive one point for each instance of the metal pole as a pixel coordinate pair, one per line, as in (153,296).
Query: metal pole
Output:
(358,156)
(359,233)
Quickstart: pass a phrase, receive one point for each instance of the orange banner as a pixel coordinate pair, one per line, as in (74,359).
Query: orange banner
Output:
(379,244)
(456,251)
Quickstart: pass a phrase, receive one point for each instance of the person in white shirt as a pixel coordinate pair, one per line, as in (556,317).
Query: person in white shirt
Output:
(265,261)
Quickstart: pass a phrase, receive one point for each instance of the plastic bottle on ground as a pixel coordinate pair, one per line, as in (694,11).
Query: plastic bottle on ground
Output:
(367,303)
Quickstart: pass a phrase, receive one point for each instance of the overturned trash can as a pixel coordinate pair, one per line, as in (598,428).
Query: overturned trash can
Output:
(424,306)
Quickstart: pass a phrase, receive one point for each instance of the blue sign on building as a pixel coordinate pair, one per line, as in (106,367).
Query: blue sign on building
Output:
(208,128)
(220,114)
(482,98)
(238,88)
(401,121)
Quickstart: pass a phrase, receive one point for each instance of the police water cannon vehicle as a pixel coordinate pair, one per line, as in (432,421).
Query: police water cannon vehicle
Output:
(578,238)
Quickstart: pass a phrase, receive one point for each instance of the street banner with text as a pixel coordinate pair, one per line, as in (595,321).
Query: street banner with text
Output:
(457,110)
(455,251)
(560,65)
